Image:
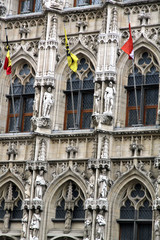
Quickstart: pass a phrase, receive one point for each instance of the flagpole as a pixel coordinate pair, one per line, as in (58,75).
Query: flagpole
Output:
(72,100)
(12,96)
(135,91)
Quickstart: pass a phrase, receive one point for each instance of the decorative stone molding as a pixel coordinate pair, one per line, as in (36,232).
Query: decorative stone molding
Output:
(2,8)
(34,204)
(48,81)
(41,122)
(90,203)
(12,151)
(71,150)
(99,163)
(157,162)
(36,165)
(82,26)
(156,204)
(144,17)
(104,118)
(136,148)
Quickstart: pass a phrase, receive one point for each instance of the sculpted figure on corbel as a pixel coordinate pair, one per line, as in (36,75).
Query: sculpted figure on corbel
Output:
(12,151)
(103,182)
(100,226)
(24,225)
(91,184)
(109,99)
(88,226)
(53,4)
(157,226)
(47,103)
(40,183)
(42,150)
(28,185)
(36,102)
(97,99)
(35,225)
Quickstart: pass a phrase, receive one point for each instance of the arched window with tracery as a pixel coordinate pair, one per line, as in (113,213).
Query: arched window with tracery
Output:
(27,6)
(147,88)
(23,96)
(79,96)
(136,214)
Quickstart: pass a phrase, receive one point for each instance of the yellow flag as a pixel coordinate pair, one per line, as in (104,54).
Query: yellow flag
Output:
(72,59)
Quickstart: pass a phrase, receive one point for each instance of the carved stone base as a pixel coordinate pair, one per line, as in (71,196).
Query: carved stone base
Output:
(101,203)
(36,165)
(35,204)
(156,204)
(105,119)
(99,163)
(41,122)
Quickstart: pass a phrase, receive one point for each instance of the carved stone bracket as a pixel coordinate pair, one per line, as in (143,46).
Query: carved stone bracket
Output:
(34,204)
(2,9)
(41,122)
(38,81)
(110,75)
(96,204)
(156,204)
(105,119)
(99,163)
(48,81)
(36,165)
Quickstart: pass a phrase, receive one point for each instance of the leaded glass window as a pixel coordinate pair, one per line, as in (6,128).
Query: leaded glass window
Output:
(23,95)
(147,88)
(136,214)
(79,106)
(27,6)
(81,3)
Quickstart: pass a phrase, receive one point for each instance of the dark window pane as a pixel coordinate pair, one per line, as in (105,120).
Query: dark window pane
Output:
(70,123)
(86,121)
(132,118)
(88,101)
(29,86)
(60,212)
(88,81)
(27,124)
(69,102)
(16,106)
(127,211)
(126,231)
(83,64)
(151,116)
(144,232)
(38,6)
(138,78)
(2,211)
(145,212)
(17,87)
(79,210)
(145,59)
(17,212)
(28,105)
(12,123)
(137,192)
(25,70)
(131,100)
(151,96)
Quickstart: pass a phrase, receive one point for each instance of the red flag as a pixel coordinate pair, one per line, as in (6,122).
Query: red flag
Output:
(128,46)
(7,63)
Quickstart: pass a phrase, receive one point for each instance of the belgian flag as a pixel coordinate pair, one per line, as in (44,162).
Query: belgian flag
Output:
(72,59)
(7,63)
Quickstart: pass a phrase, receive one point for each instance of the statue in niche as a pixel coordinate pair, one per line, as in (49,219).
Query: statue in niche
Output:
(6,221)
(103,184)
(88,227)
(36,102)
(100,226)
(24,223)
(28,186)
(91,183)
(47,103)
(108,98)
(68,221)
(35,224)
(97,97)
(39,183)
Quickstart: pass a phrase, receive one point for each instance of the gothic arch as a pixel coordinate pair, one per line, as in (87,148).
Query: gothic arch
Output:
(116,193)
(10,177)
(66,237)
(53,189)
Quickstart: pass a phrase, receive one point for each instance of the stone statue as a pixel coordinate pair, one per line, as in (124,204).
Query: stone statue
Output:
(68,221)
(47,103)
(39,183)
(88,227)
(6,221)
(24,223)
(28,186)
(103,184)
(97,97)
(157,228)
(42,151)
(91,183)
(35,224)
(108,98)
(36,102)
(100,226)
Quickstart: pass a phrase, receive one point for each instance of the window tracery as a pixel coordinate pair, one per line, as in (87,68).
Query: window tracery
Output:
(147,87)
(27,6)
(23,94)
(136,214)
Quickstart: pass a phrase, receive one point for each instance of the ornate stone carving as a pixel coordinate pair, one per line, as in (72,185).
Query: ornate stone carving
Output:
(24,224)
(71,150)
(42,150)
(136,148)
(143,17)
(24,30)
(100,226)
(99,163)
(28,186)
(35,225)
(2,9)
(103,184)
(91,185)
(102,119)
(88,226)
(40,183)
(41,122)
(82,26)
(12,151)
(97,99)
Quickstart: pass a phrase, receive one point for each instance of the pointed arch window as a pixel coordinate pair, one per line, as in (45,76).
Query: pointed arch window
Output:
(147,88)
(136,214)
(27,6)
(23,94)
(81,107)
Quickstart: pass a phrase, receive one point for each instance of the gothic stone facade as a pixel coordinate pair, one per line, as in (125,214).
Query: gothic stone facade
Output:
(75,163)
